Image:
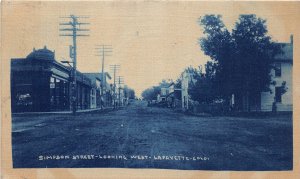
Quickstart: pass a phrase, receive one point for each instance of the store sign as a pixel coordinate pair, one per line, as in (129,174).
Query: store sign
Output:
(71,50)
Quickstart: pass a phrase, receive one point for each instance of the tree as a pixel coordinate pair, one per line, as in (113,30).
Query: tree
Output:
(219,45)
(242,59)
(152,92)
(177,85)
(201,89)
(165,82)
(254,55)
(129,93)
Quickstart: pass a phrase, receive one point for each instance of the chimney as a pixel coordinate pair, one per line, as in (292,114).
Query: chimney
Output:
(291,38)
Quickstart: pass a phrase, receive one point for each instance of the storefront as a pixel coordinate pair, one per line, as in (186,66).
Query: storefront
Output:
(39,83)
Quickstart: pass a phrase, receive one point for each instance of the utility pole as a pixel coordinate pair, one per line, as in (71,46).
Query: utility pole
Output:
(114,68)
(73,27)
(120,81)
(103,51)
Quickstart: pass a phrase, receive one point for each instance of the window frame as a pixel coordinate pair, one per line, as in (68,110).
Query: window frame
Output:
(278,69)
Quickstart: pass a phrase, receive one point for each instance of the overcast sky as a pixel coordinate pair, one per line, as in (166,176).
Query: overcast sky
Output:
(151,40)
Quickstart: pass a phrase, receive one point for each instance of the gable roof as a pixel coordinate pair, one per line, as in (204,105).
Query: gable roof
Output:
(93,75)
(98,75)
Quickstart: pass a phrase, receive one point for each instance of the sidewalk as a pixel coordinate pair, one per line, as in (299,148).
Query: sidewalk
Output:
(105,109)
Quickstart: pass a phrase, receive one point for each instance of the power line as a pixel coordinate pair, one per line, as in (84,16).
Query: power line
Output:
(114,68)
(120,81)
(73,27)
(103,51)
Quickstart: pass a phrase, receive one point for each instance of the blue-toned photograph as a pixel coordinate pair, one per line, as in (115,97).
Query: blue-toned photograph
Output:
(160,85)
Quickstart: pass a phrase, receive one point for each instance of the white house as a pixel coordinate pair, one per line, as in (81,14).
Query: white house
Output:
(162,96)
(283,72)
(171,88)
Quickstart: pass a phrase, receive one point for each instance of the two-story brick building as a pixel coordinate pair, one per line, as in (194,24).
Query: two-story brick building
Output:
(40,83)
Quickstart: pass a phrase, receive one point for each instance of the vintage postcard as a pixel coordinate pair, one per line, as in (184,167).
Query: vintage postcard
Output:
(149,89)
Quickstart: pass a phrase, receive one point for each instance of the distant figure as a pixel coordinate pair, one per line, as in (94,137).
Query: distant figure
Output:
(274,107)
(102,103)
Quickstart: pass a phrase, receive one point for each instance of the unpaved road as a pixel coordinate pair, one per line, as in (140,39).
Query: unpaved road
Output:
(148,137)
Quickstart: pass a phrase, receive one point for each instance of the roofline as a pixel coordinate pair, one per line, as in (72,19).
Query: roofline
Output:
(98,78)
(107,74)
(282,60)
(61,65)
(171,84)
(18,59)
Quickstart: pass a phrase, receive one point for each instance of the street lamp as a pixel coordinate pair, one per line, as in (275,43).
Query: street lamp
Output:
(73,86)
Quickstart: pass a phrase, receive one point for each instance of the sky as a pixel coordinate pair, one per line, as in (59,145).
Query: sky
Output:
(151,40)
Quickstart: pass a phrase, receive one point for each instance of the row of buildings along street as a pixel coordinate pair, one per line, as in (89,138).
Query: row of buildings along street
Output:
(214,117)
(177,93)
(39,83)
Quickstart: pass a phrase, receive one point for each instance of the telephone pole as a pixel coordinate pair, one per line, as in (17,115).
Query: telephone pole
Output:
(73,26)
(103,51)
(114,68)
(120,82)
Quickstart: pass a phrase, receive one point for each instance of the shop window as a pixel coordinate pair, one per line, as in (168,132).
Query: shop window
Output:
(24,99)
(52,80)
(277,69)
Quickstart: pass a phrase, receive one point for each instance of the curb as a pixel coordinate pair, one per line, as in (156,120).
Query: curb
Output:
(65,112)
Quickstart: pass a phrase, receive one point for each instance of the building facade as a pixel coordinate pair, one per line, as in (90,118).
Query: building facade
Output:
(171,99)
(39,84)
(108,90)
(281,75)
(104,98)
(96,90)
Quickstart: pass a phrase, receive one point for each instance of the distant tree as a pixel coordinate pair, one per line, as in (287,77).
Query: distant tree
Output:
(152,92)
(177,85)
(146,94)
(242,59)
(165,83)
(201,89)
(129,93)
